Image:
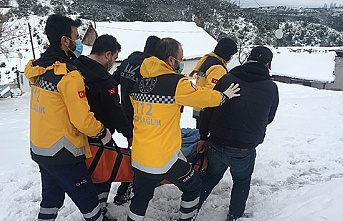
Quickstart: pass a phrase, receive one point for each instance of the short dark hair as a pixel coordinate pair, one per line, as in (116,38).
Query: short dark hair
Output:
(150,44)
(167,47)
(105,43)
(57,26)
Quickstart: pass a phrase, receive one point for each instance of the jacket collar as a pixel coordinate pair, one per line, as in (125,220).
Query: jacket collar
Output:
(51,55)
(153,67)
(251,71)
(91,70)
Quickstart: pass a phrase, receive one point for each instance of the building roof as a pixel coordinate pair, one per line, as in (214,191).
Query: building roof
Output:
(132,36)
(305,63)
(315,64)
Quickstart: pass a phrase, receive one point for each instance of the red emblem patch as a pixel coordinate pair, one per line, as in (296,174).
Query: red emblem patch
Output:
(82,94)
(214,81)
(112,91)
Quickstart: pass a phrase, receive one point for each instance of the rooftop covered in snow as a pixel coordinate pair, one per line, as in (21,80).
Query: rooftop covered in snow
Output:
(308,63)
(132,36)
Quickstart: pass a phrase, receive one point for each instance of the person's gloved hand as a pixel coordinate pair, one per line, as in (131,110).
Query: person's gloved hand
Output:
(192,73)
(232,90)
(107,137)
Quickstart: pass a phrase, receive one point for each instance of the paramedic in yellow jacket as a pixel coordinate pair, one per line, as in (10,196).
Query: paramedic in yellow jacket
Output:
(211,67)
(60,121)
(157,99)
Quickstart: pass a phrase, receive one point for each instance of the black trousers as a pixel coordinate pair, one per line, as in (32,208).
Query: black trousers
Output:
(73,179)
(180,174)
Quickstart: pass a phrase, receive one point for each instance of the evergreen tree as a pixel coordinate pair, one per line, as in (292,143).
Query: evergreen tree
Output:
(137,10)
(220,18)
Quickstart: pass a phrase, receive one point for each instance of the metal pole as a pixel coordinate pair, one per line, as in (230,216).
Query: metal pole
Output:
(33,50)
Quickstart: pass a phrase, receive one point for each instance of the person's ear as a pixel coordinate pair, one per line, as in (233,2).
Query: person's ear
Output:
(108,55)
(65,41)
(170,60)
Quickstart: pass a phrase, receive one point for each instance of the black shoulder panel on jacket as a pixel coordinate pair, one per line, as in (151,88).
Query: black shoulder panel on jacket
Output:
(209,62)
(71,67)
(164,85)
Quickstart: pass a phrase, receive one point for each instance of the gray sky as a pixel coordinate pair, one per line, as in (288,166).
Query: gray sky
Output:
(290,3)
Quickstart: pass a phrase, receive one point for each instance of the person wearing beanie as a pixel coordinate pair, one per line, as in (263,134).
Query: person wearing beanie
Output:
(127,74)
(262,55)
(211,67)
(233,131)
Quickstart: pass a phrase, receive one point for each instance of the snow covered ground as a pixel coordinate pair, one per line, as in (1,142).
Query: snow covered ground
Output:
(299,168)
(298,174)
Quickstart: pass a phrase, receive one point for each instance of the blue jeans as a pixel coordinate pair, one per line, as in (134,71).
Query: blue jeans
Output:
(241,163)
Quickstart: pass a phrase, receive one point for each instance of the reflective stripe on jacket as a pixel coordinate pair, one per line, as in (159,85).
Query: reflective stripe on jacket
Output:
(60,120)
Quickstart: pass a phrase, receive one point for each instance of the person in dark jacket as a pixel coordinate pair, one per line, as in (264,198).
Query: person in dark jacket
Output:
(238,128)
(127,74)
(102,94)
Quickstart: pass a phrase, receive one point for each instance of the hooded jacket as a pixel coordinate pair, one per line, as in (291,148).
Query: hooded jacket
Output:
(210,69)
(102,95)
(60,119)
(157,99)
(127,74)
(242,122)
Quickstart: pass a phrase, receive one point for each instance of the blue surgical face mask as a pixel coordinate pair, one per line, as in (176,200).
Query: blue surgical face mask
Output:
(180,69)
(181,66)
(78,48)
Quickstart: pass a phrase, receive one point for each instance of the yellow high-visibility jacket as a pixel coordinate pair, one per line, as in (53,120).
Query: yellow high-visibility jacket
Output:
(60,117)
(209,72)
(157,99)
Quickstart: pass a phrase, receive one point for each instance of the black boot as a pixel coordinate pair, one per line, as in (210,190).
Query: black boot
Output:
(105,218)
(231,217)
(120,199)
(108,219)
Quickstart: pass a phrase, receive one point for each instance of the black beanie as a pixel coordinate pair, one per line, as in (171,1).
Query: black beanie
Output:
(150,44)
(261,54)
(225,48)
